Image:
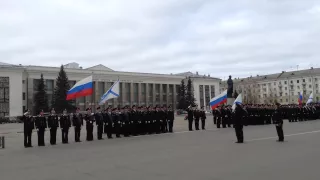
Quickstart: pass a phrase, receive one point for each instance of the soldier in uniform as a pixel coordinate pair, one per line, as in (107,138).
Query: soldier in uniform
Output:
(279,122)
(53,124)
(196,114)
(77,123)
(99,122)
(89,118)
(170,119)
(239,114)
(108,122)
(126,122)
(41,125)
(134,121)
(28,126)
(190,117)
(117,122)
(203,118)
(65,124)
(219,116)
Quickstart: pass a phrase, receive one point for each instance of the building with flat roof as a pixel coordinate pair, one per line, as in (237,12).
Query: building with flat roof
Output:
(282,87)
(18,85)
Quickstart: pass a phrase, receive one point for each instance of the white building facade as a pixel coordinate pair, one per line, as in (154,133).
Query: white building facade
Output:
(18,85)
(283,87)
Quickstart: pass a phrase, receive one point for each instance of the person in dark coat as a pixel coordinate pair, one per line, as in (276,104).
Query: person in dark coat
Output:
(28,126)
(65,125)
(99,122)
(41,125)
(203,118)
(77,122)
(278,122)
(170,119)
(53,124)
(239,113)
(190,117)
(89,118)
(108,122)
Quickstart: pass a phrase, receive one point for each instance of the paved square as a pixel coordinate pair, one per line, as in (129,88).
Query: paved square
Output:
(201,155)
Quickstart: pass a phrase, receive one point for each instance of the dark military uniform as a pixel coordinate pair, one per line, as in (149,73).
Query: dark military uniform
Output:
(89,118)
(41,125)
(203,118)
(53,124)
(190,117)
(99,122)
(279,122)
(239,114)
(108,122)
(28,126)
(77,121)
(170,119)
(65,124)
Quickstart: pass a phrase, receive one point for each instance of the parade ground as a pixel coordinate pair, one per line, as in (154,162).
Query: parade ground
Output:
(202,155)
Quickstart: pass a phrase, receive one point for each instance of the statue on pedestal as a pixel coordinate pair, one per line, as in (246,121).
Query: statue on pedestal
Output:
(230,87)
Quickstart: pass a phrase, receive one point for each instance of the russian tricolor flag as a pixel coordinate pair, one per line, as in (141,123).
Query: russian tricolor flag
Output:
(300,98)
(220,99)
(82,88)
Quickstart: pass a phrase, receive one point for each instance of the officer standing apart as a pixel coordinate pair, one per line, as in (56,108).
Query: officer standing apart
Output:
(277,118)
(190,117)
(28,126)
(239,113)
(41,125)
(170,119)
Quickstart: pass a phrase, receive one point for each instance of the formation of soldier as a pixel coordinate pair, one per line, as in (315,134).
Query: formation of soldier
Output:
(119,121)
(260,114)
(196,115)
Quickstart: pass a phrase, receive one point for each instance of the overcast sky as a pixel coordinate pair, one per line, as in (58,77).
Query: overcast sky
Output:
(237,37)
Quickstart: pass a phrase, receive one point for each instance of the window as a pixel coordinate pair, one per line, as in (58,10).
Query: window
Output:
(297,81)
(298,87)
(280,100)
(286,100)
(281,94)
(317,85)
(291,82)
(49,85)
(309,79)
(274,83)
(303,80)
(310,86)
(292,94)
(285,88)
(36,84)
(23,81)
(23,96)
(315,79)
(285,82)
(274,88)
(23,109)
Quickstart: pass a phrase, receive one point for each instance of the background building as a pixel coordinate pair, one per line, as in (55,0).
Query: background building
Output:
(281,87)
(18,85)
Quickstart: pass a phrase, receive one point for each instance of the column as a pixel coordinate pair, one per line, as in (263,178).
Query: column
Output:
(95,95)
(139,93)
(153,94)
(131,93)
(167,103)
(174,94)
(147,94)
(204,95)
(123,95)
(161,95)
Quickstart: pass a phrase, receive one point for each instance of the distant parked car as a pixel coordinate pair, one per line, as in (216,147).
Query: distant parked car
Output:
(180,111)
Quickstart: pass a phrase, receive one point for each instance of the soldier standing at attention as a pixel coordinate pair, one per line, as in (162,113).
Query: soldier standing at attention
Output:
(53,124)
(190,117)
(77,123)
(65,124)
(278,122)
(170,119)
(109,122)
(89,124)
(28,126)
(41,125)
(99,122)
(239,114)
(203,118)
(117,122)
(196,114)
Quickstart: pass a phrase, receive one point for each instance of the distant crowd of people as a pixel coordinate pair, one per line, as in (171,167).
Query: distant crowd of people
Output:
(124,121)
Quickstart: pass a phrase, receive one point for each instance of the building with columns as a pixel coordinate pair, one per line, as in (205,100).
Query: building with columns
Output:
(282,87)
(18,85)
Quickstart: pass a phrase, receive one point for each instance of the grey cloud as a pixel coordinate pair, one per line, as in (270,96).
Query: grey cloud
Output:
(241,38)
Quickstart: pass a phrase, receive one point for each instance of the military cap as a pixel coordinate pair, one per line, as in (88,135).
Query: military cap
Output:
(77,108)
(88,109)
(133,106)
(277,104)
(169,106)
(26,110)
(98,107)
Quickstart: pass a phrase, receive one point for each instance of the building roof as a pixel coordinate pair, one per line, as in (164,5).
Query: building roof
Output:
(192,75)
(6,64)
(99,67)
(277,76)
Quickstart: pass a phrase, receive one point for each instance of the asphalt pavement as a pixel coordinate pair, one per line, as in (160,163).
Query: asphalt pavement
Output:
(203,155)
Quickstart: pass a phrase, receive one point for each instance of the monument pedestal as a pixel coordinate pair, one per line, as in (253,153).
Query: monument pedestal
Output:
(230,101)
